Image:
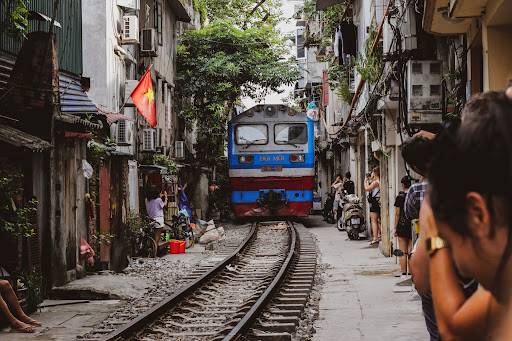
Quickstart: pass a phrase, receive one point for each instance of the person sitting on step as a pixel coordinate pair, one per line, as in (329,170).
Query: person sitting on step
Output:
(17,318)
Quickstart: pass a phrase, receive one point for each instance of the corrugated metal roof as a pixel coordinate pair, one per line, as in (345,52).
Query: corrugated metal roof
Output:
(73,100)
(21,139)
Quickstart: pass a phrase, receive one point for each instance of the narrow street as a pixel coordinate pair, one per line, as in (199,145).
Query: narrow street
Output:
(358,302)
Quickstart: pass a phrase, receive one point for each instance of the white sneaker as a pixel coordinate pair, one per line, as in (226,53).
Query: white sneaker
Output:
(404,277)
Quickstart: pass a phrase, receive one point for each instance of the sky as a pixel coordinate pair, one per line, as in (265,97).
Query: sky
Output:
(285,27)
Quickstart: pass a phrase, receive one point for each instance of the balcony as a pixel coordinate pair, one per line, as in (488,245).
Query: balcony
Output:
(436,19)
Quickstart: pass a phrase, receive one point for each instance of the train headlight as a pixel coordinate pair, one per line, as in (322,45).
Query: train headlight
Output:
(245,159)
(297,157)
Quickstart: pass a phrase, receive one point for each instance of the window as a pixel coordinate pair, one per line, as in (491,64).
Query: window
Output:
(301,51)
(249,134)
(158,21)
(291,133)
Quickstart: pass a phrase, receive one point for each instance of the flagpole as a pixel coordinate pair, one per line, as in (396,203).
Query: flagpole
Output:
(126,100)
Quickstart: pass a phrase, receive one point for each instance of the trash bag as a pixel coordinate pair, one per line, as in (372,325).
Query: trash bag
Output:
(210,236)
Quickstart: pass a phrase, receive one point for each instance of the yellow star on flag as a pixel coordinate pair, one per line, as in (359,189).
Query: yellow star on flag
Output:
(150,95)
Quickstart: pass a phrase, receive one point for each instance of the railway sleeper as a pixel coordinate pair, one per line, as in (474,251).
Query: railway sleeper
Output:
(277,327)
(291,300)
(263,336)
(282,319)
(285,312)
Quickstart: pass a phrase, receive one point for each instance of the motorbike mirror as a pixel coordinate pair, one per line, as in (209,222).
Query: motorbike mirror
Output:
(398,253)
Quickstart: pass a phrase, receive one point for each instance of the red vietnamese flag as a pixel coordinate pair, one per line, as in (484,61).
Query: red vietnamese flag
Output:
(143,97)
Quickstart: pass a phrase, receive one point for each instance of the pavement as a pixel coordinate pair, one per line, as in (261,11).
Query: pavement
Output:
(358,301)
(82,304)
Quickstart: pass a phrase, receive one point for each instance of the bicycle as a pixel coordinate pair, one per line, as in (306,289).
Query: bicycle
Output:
(144,244)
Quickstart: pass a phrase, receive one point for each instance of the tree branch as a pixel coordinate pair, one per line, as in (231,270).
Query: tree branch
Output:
(258,5)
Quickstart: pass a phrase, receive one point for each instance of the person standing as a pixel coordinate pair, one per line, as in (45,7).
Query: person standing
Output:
(337,186)
(403,226)
(417,153)
(372,186)
(348,184)
(155,205)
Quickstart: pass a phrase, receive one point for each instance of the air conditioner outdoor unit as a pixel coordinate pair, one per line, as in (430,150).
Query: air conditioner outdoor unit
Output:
(131,4)
(124,132)
(130,29)
(179,149)
(148,41)
(148,140)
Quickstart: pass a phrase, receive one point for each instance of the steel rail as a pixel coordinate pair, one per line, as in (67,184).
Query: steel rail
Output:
(267,295)
(164,306)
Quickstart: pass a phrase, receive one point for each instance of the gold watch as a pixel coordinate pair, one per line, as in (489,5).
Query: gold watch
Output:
(435,243)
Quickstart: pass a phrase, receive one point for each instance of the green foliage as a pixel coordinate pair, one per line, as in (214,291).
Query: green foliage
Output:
(201,7)
(98,153)
(244,13)
(165,161)
(369,65)
(33,280)
(339,79)
(330,17)
(16,22)
(219,64)
(20,221)
(17,221)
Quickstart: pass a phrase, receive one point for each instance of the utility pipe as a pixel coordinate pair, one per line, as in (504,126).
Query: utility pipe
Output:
(362,81)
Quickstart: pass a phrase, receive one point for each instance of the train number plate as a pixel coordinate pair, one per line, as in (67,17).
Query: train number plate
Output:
(272,168)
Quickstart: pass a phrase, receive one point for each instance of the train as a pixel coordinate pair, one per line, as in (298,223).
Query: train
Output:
(271,154)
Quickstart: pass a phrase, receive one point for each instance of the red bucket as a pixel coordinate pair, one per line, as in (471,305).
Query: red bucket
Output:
(182,247)
(174,247)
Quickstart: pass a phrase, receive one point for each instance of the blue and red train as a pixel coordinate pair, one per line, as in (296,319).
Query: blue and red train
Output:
(271,156)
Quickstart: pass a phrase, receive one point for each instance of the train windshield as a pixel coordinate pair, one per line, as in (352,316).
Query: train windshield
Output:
(291,133)
(249,134)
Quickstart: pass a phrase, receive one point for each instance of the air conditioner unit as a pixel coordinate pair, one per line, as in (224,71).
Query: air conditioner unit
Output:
(179,149)
(124,132)
(148,44)
(131,4)
(130,29)
(148,140)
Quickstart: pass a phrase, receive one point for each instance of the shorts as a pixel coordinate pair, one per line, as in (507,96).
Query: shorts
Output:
(375,208)
(404,231)
(160,221)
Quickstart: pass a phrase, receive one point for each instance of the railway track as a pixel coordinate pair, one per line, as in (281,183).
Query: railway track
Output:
(258,292)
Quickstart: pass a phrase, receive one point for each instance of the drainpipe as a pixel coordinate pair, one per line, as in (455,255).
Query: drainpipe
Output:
(366,171)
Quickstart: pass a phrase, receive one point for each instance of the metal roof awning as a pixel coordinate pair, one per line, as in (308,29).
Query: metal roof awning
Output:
(323,4)
(114,117)
(75,119)
(73,99)
(180,11)
(21,139)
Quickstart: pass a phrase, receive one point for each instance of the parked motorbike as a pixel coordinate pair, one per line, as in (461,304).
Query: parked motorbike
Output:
(328,212)
(352,217)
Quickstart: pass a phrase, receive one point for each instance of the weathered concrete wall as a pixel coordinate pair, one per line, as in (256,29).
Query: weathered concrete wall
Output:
(70,220)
